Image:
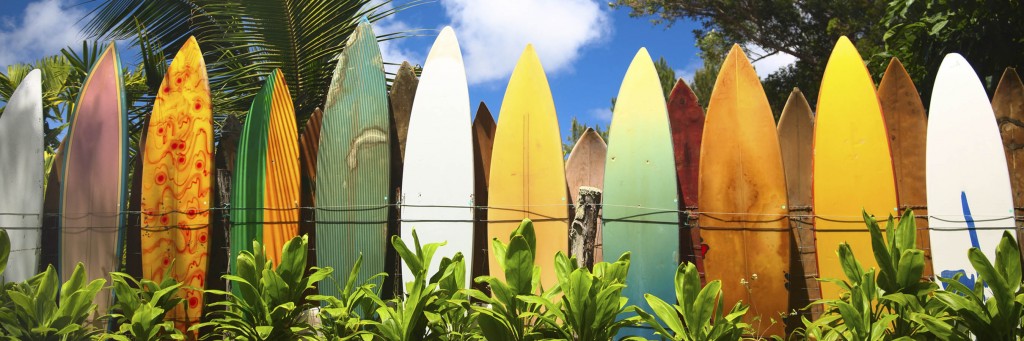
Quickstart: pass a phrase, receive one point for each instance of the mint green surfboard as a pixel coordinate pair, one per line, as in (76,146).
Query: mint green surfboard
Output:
(353,163)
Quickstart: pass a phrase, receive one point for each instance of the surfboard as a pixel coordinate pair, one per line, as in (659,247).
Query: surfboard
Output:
(309,143)
(402,95)
(970,203)
(1008,104)
(852,165)
(437,182)
(353,163)
(93,191)
(483,141)
(176,184)
(585,167)
(266,186)
(796,140)
(21,176)
(640,213)
(50,254)
(133,222)
(742,176)
(907,126)
(527,177)
(224,158)
(686,118)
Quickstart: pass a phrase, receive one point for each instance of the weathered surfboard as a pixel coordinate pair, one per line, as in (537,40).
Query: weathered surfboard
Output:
(1008,104)
(483,141)
(741,174)
(796,140)
(585,167)
(907,126)
(640,212)
(527,177)
(21,176)
(849,126)
(402,95)
(309,144)
(176,186)
(93,191)
(686,119)
(970,203)
(352,184)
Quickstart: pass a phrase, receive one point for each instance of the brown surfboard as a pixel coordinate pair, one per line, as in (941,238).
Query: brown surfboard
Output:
(1008,104)
(796,133)
(907,126)
(483,141)
(309,142)
(686,119)
(585,167)
(403,92)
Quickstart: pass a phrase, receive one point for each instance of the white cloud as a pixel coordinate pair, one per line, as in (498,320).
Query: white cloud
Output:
(770,64)
(687,72)
(493,33)
(391,50)
(602,116)
(45,27)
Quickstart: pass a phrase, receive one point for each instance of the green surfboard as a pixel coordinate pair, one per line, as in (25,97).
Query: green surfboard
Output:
(247,188)
(353,163)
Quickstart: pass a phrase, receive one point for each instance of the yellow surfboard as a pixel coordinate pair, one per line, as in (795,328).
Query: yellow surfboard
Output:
(176,172)
(852,164)
(527,177)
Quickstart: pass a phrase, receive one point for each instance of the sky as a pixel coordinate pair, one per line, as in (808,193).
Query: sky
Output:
(584,45)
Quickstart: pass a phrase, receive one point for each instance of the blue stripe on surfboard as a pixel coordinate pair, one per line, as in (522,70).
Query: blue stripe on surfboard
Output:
(969,219)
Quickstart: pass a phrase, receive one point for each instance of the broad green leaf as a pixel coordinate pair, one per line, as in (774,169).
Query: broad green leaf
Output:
(1007,261)
(519,266)
(5,250)
(666,313)
(911,268)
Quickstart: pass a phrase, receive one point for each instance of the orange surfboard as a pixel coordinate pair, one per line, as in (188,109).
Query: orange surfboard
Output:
(176,173)
(742,197)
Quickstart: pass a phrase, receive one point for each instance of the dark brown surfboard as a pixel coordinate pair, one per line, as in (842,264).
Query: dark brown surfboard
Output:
(309,142)
(483,141)
(686,119)
(51,212)
(1008,104)
(224,160)
(907,126)
(133,226)
(796,132)
(403,92)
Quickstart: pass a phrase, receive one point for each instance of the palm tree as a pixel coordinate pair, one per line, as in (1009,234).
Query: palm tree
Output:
(244,40)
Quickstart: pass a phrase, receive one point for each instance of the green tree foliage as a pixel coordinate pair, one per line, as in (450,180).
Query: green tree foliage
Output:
(713,50)
(576,130)
(989,34)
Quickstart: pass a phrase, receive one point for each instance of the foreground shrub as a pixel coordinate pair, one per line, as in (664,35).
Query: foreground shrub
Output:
(697,307)
(142,306)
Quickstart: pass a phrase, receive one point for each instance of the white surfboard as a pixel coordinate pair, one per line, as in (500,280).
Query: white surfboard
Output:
(21,176)
(969,198)
(437,182)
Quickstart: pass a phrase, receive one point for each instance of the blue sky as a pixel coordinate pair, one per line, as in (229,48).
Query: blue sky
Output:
(584,45)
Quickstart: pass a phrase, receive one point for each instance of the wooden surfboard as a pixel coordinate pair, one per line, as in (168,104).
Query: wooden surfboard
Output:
(970,203)
(21,176)
(640,213)
(852,165)
(352,184)
(402,95)
(51,211)
(796,140)
(224,158)
(527,177)
(176,186)
(437,182)
(585,167)
(907,125)
(686,119)
(93,191)
(266,186)
(133,222)
(1008,104)
(483,141)
(309,144)
(741,173)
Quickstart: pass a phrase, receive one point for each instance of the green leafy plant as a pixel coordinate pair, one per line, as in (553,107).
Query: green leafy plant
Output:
(43,309)
(430,310)
(591,302)
(342,317)
(697,307)
(142,306)
(512,314)
(994,318)
(270,303)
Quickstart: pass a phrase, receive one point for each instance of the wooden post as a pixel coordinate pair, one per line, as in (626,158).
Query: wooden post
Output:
(583,232)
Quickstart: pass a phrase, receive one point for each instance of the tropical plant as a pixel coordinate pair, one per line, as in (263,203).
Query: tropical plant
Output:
(244,40)
(270,304)
(591,302)
(512,314)
(142,306)
(43,309)
(425,312)
(702,310)
(342,317)
(994,318)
